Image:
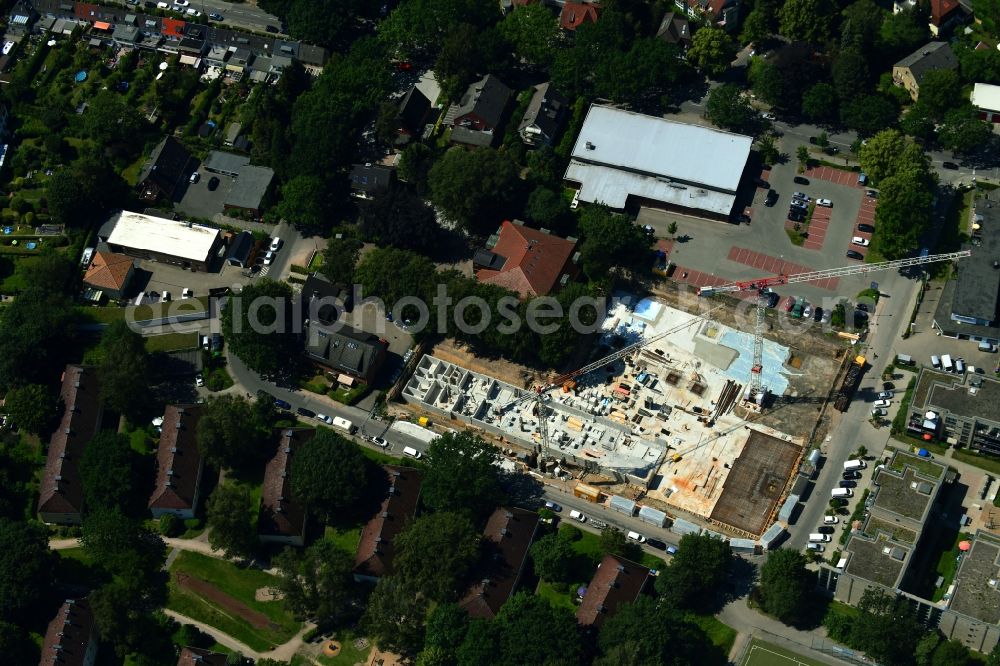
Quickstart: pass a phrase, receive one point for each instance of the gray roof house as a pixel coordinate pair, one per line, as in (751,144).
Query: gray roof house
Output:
(357,354)
(910,71)
(544,117)
(675,29)
(368,180)
(250,191)
(476,119)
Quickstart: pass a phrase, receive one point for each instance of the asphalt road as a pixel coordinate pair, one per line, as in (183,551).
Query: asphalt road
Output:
(246,16)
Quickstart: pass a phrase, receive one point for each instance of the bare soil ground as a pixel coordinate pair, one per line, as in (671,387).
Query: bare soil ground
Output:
(227,603)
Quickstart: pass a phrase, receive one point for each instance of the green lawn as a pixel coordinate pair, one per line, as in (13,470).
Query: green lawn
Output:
(761,653)
(982,462)
(316,262)
(947,565)
(722,635)
(922,465)
(554,596)
(345,538)
(76,568)
(171,342)
(240,584)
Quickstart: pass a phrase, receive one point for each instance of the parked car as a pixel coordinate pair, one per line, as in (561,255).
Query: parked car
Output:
(213,183)
(635,536)
(269,258)
(275,244)
(800,195)
(950,165)
(852,254)
(848,484)
(325,419)
(888,386)
(578,516)
(671,550)
(282,404)
(872,193)
(216,17)
(882,403)
(186,293)
(852,475)
(771,198)
(165,297)
(830,520)
(826,203)
(772,298)
(656,543)
(800,180)
(552,506)
(807,311)
(767,116)
(800,305)
(818,315)
(863,307)
(199,380)
(380,442)
(886,395)
(818,547)
(796,215)
(880,411)
(195,177)
(859,241)
(308,413)
(182,3)
(866,228)
(760,182)
(862,178)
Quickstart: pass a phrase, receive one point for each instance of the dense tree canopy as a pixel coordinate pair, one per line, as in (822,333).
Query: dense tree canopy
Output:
(435,553)
(122,545)
(123,370)
(552,556)
(421,26)
(785,584)
(473,188)
(228,511)
(963,132)
(807,20)
(463,475)
(645,632)
(395,615)
(881,155)
(819,103)
(306,203)
(696,573)
(610,239)
(259,328)
(109,474)
(861,25)
(318,581)
(399,218)
(711,51)
(340,256)
(529,630)
(26,568)
(869,114)
(532,31)
(328,473)
(940,90)
(84,192)
(728,108)
(231,432)
(33,407)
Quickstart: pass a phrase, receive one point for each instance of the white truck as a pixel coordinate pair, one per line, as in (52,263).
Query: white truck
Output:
(344,424)
(854,465)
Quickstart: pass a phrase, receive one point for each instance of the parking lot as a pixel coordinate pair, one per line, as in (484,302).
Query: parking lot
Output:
(197,200)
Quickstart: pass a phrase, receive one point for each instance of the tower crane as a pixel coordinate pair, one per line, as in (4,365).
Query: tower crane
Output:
(761,286)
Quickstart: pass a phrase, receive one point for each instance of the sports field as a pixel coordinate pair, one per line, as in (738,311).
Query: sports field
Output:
(767,654)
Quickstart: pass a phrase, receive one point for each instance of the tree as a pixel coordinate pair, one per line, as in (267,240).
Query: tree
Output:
(532,31)
(16,644)
(33,408)
(27,568)
(125,616)
(109,473)
(903,212)
(862,22)
(610,239)
(925,648)
(306,203)
(328,473)
(982,65)
(767,146)
(420,26)
(122,545)
(123,370)
(329,23)
(819,102)
(317,582)
(881,155)
(729,109)
(918,122)
(951,653)
(756,27)
(940,90)
(644,632)
(785,584)
(399,218)
(672,229)
(640,75)
(435,552)
(869,114)
(446,629)
(463,475)
(258,327)
(231,432)
(712,50)
(553,557)
(886,629)
(339,259)
(228,512)
(850,74)
(767,82)
(532,631)
(393,274)
(806,20)
(395,616)
(473,187)
(994,656)
(84,192)
(113,123)
(481,644)
(964,132)
(696,573)
(415,165)
(903,32)
(546,207)
(802,155)
(613,541)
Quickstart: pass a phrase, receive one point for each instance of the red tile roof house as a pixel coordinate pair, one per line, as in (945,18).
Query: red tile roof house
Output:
(281,519)
(617,581)
(376,548)
(110,273)
(575,14)
(510,531)
(531,262)
(179,464)
(71,639)
(60,494)
(192,656)
(945,15)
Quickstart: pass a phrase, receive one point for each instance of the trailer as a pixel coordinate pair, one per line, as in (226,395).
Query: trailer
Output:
(589,493)
(850,384)
(344,424)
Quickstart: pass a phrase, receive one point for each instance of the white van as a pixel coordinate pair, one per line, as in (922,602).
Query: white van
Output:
(577,515)
(946,363)
(960,366)
(852,465)
(635,536)
(412,452)
(841,492)
(904,359)
(935,362)
(343,424)
(816,537)
(987,347)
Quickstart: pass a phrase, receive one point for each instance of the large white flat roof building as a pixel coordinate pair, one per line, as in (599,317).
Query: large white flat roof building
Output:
(986,98)
(621,154)
(173,241)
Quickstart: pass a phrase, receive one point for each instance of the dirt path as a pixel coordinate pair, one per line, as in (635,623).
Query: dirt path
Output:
(283,652)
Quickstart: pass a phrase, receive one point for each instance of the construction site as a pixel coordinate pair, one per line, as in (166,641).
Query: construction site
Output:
(669,418)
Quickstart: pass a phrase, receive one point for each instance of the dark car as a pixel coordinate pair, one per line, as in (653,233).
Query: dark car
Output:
(866,228)
(854,254)
(863,307)
(888,386)
(213,183)
(818,314)
(656,543)
(852,475)
(772,299)
(216,342)
(796,216)
(760,182)
(215,17)
(872,193)
(801,180)
(271,28)
(848,484)
(281,404)
(771,198)
(950,165)
(308,413)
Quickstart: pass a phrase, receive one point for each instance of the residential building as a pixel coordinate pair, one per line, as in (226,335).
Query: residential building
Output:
(179,464)
(369,180)
(910,71)
(945,16)
(324,301)
(508,536)
(575,14)
(623,158)
(194,656)
(721,13)
(959,410)
(22,16)
(60,491)
(986,99)
(377,545)
(177,242)
(281,519)
(240,247)
(477,118)
(973,615)
(616,582)
(545,116)
(233,132)
(414,110)
(110,273)
(345,354)
(675,29)
(71,639)
(168,166)
(226,164)
(532,262)
(967,307)
(251,191)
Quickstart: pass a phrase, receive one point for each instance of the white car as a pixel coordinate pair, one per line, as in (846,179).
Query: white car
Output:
(165,297)
(818,547)
(181,3)
(824,202)
(800,195)
(830,520)
(880,411)
(199,380)
(576,201)
(191,11)
(882,403)
(767,116)
(275,244)
(859,241)
(186,293)
(269,258)
(380,442)
(576,515)
(635,536)
(324,418)
(886,395)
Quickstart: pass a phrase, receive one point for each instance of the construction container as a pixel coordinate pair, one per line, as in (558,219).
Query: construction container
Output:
(589,493)
(622,505)
(682,527)
(424,421)
(648,514)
